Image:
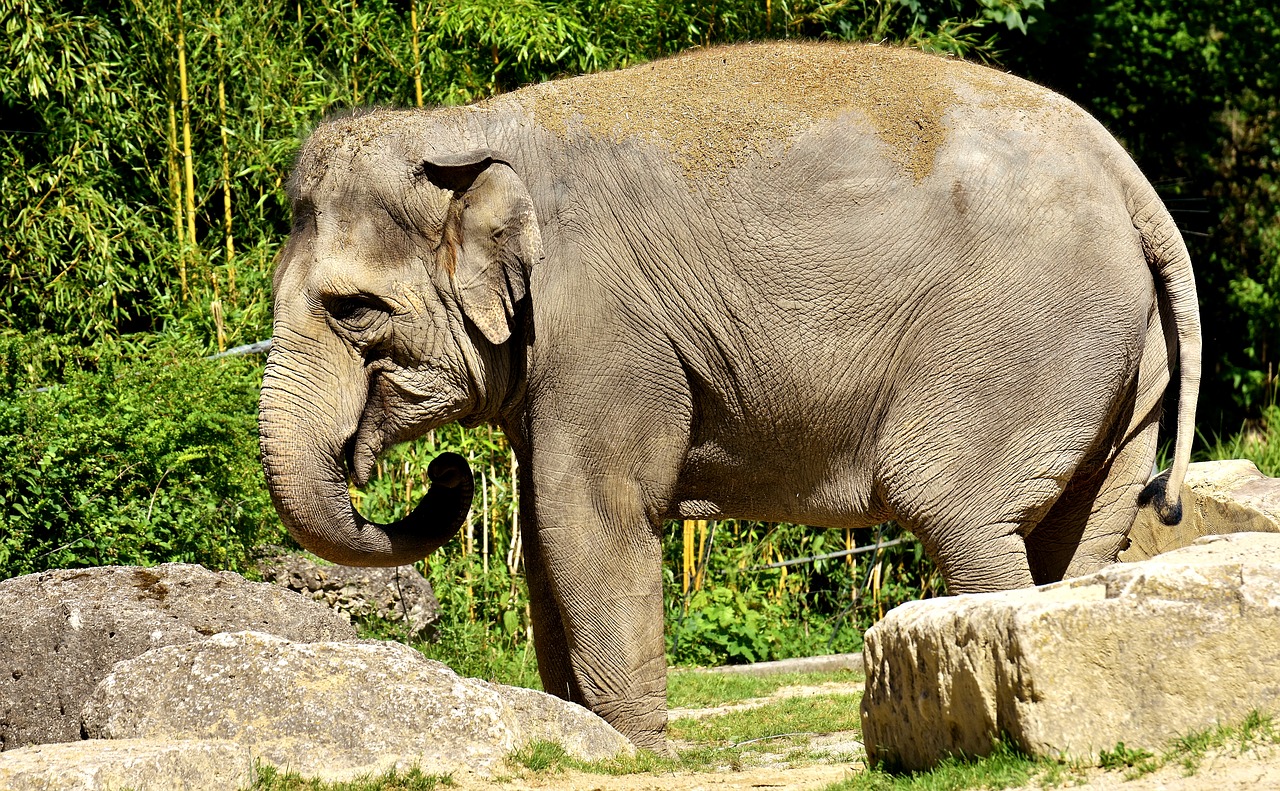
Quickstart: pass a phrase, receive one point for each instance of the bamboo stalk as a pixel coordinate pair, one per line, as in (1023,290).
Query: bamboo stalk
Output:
(175,189)
(688,555)
(470,525)
(226,171)
(484,519)
(513,553)
(700,572)
(468,547)
(355,58)
(187,159)
(215,307)
(417,54)
(408,486)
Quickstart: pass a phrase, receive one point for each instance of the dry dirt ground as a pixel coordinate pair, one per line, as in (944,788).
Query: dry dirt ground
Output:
(1257,769)
(763,771)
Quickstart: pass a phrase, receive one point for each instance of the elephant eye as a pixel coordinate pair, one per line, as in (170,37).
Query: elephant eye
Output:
(357,312)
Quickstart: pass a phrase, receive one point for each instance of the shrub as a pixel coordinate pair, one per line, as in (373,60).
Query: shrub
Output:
(128,455)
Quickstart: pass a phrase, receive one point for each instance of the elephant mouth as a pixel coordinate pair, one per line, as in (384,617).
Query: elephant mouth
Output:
(349,461)
(360,455)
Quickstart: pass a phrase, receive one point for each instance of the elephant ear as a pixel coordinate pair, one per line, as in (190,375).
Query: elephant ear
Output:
(490,238)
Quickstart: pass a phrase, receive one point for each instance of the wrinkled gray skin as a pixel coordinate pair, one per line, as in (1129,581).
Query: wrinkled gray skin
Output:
(807,332)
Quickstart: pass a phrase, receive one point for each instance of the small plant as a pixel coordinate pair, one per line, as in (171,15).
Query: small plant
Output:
(539,756)
(1135,762)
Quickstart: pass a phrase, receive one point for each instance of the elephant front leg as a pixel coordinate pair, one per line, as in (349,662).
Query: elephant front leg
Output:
(599,558)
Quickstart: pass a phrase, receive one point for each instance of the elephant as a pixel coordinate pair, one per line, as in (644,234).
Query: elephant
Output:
(823,283)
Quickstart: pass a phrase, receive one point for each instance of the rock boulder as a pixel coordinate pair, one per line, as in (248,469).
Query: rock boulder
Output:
(334,710)
(1138,653)
(64,630)
(140,765)
(398,595)
(1218,498)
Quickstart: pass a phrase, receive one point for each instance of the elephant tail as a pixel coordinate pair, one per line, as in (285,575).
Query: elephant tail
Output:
(1170,264)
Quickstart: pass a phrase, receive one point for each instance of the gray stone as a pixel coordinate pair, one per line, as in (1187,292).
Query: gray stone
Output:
(1218,498)
(64,630)
(1139,653)
(828,663)
(138,765)
(335,710)
(398,595)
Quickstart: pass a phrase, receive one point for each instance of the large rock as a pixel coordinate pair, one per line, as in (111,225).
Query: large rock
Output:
(133,764)
(1138,653)
(1218,498)
(398,595)
(334,710)
(64,630)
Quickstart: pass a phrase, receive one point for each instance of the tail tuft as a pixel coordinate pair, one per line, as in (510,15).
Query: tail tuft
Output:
(1156,494)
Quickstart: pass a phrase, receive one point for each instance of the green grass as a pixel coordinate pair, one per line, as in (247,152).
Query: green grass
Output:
(686,689)
(807,715)
(539,756)
(1259,443)
(270,778)
(1134,763)
(1005,767)
(1256,729)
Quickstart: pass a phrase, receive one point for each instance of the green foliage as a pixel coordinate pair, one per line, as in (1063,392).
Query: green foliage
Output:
(1256,730)
(738,611)
(723,622)
(132,455)
(1257,441)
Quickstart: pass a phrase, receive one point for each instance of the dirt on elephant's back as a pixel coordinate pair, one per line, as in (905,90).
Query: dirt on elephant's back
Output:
(713,109)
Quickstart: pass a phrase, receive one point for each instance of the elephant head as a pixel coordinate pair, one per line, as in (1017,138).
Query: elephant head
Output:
(396,298)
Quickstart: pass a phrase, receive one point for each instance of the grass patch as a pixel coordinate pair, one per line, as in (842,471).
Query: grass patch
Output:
(1134,763)
(1261,445)
(270,778)
(1189,751)
(807,715)
(689,689)
(1005,767)
(539,756)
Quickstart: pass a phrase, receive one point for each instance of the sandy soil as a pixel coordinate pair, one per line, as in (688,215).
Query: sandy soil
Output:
(766,770)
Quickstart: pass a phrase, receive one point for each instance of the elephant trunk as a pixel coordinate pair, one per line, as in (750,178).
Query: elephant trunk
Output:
(303,456)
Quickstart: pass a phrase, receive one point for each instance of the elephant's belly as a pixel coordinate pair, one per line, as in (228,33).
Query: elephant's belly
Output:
(716,484)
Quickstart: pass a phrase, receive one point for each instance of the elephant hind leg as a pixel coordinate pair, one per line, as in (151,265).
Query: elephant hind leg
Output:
(1089,525)
(995,559)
